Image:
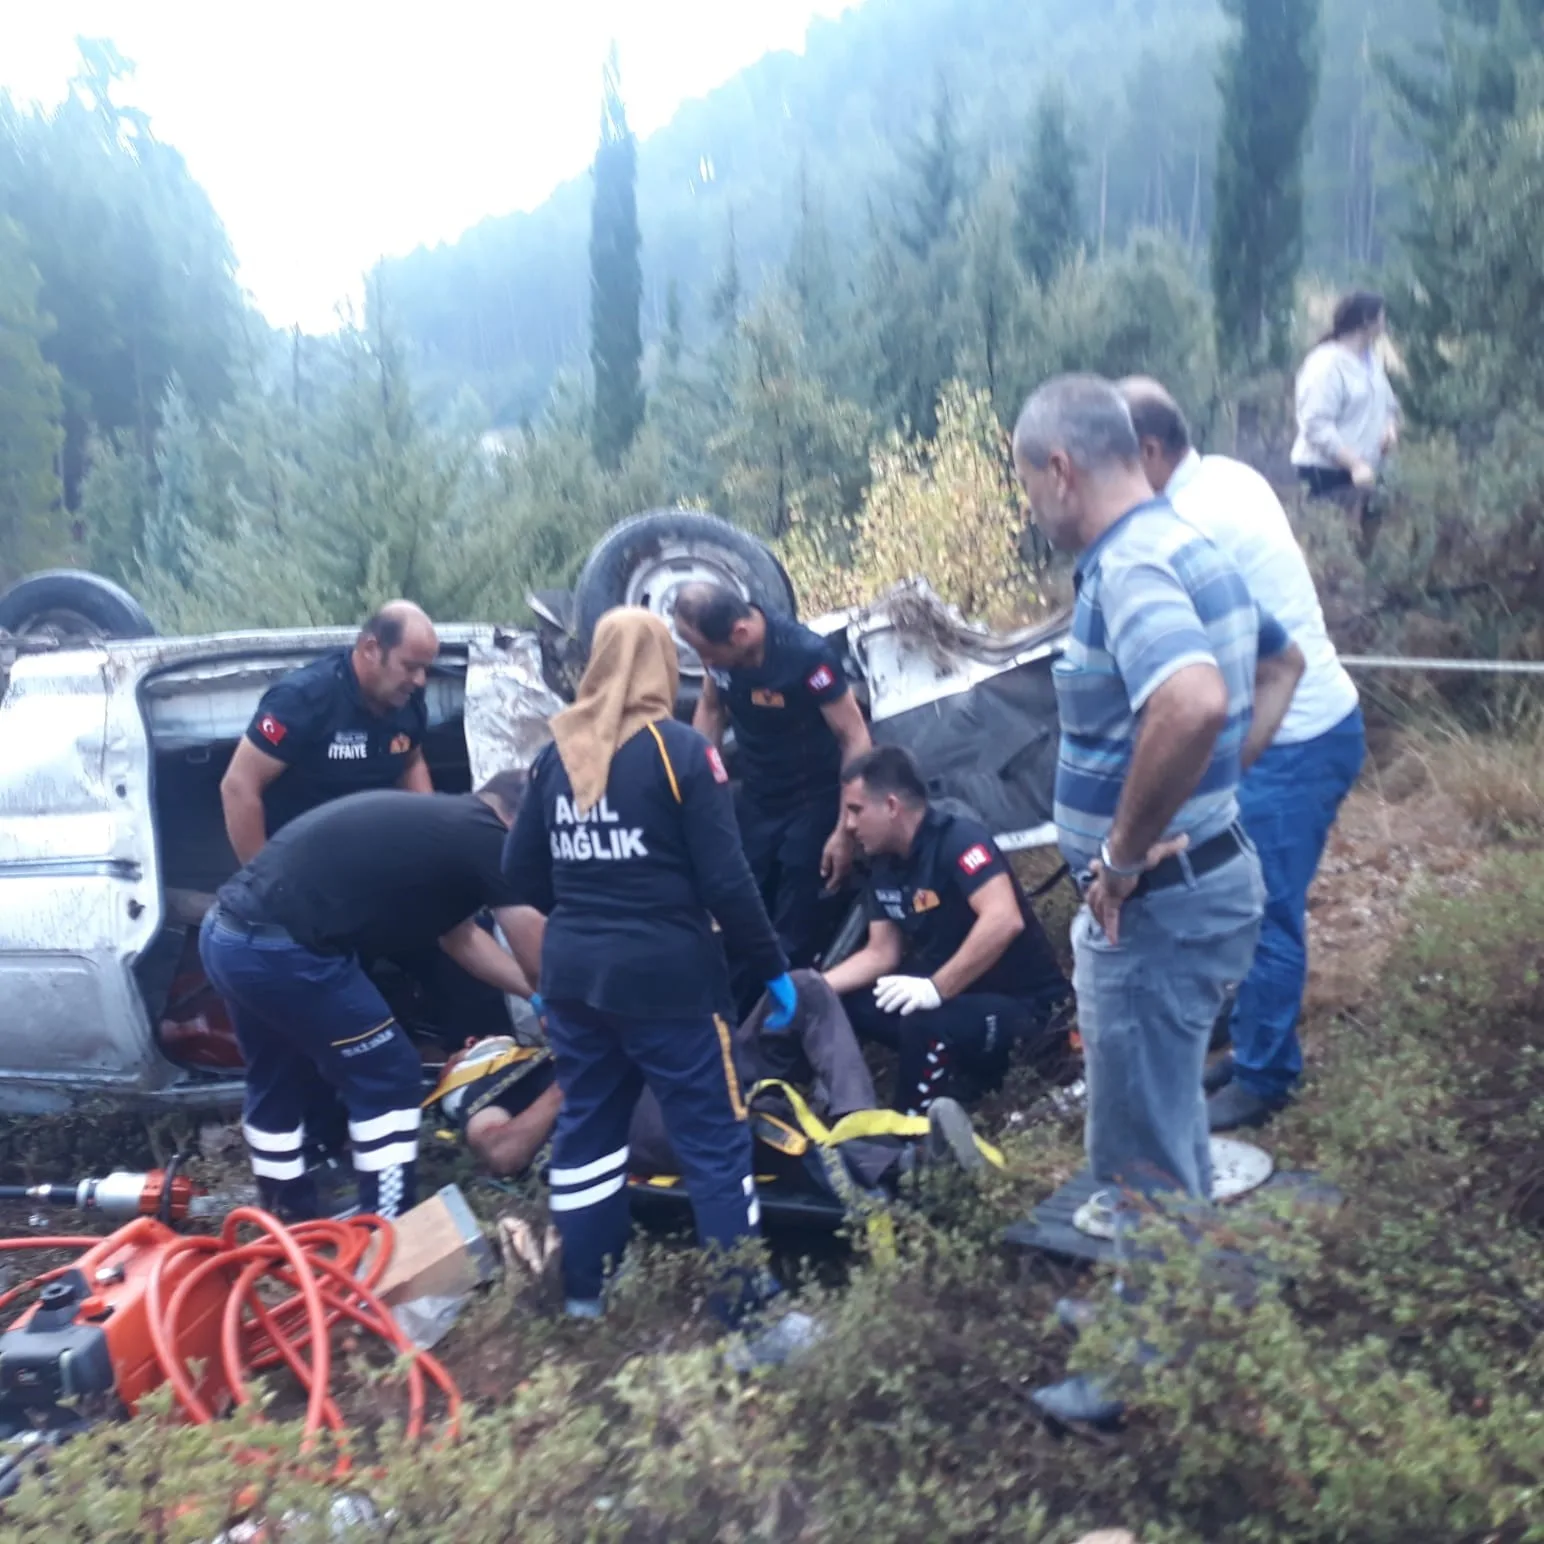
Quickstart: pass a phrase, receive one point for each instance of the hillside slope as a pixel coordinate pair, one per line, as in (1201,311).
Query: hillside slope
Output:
(506,306)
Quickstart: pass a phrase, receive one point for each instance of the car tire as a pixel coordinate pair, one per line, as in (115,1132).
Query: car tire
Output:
(645,561)
(69,603)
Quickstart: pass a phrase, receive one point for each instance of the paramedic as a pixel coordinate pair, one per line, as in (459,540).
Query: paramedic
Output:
(959,964)
(796,724)
(367,875)
(626,843)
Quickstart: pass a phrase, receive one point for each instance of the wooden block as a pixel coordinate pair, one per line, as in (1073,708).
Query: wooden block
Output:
(440,1251)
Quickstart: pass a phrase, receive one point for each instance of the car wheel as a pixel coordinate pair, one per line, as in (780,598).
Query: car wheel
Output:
(70,604)
(646,560)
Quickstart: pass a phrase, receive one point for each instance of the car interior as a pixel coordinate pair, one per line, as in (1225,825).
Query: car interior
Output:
(195,715)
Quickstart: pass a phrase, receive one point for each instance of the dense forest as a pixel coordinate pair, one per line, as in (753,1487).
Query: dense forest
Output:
(811,303)
(507,306)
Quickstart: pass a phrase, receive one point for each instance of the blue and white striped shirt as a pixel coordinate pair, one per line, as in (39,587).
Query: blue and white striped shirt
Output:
(1154,595)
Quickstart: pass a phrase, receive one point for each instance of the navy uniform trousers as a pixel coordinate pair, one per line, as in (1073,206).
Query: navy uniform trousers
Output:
(604,1061)
(973,1034)
(313,1030)
(784,852)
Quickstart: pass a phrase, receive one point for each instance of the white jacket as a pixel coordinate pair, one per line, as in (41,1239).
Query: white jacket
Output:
(1344,403)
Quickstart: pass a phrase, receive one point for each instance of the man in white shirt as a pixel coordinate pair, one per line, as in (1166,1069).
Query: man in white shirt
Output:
(1290,796)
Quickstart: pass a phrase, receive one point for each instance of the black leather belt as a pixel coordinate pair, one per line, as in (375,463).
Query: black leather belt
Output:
(245,929)
(1196,861)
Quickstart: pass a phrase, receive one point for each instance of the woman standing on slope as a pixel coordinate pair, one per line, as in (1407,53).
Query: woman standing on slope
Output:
(1347,413)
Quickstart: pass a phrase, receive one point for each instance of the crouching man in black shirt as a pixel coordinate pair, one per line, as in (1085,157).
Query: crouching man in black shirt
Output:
(959,964)
(368,875)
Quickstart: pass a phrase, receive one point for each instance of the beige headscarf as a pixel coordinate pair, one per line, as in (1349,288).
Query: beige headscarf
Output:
(630,682)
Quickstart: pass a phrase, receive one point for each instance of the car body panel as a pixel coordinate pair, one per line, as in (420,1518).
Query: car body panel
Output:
(81,889)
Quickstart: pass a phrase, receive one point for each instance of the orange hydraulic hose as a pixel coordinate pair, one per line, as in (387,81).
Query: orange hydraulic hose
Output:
(323,1267)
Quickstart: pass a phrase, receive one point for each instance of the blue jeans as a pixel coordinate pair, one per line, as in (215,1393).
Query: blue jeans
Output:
(1146,1007)
(604,1061)
(313,1028)
(1289,800)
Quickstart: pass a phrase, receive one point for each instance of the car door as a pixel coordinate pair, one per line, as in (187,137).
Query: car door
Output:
(79,897)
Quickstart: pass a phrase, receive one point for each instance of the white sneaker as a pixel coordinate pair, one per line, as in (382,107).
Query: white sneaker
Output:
(792,1335)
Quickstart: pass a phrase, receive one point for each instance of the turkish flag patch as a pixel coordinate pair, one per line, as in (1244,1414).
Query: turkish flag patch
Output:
(271,729)
(716,765)
(821,678)
(974,859)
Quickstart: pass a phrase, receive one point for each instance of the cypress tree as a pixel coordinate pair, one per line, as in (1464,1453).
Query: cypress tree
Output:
(1269,81)
(616,280)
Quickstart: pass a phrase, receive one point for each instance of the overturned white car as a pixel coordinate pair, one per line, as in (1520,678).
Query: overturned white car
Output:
(113,742)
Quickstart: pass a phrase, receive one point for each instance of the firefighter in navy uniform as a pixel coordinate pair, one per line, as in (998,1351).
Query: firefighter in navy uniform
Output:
(350,722)
(959,965)
(627,843)
(796,724)
(367,875)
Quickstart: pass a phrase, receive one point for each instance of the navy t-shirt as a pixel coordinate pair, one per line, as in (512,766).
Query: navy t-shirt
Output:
(631,888)
(787,755)
(330,740)
(926,894)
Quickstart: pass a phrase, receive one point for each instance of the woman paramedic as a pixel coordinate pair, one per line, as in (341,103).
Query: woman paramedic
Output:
(627,842)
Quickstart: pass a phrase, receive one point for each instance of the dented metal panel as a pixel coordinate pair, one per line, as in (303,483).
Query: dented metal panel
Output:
(508,703)
(977,709)
(80,885)
(79,892)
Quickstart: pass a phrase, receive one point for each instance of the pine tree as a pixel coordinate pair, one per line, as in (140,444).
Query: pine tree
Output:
(616,280)
(673,340)
(789,449)
(1467,316)
(1269,81)
(34,531)
(184,499)
(936,176)
(1048,223)
(727,293)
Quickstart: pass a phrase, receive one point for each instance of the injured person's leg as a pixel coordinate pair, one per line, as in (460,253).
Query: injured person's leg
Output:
(504,1100)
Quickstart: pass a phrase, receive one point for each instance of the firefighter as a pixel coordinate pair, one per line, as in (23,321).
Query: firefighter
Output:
(370,874)
(353,721)
(796,724)
(627,845)
(958,963)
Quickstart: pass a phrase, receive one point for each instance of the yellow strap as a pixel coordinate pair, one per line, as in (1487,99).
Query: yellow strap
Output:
(809,1122)
(463,1072)
(664,756)
(779,1134)
(861,1123)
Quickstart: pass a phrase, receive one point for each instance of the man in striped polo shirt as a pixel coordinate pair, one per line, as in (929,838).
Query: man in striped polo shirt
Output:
(1171,683)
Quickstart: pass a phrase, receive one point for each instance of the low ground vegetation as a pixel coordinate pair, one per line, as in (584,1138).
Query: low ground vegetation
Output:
(1382,1384)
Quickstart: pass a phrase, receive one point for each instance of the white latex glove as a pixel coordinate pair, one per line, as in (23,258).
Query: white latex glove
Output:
(906,994)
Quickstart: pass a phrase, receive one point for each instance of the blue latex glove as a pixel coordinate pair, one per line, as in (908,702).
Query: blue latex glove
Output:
(786,996)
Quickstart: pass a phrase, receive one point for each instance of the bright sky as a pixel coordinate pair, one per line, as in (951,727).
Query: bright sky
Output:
(331,132)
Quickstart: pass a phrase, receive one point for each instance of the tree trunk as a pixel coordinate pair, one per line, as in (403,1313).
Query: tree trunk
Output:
(1104,194)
